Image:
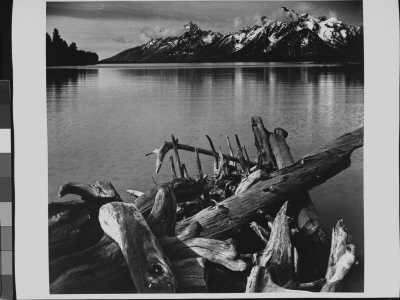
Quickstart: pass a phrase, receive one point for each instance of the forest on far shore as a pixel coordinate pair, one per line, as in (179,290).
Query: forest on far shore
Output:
(58,53)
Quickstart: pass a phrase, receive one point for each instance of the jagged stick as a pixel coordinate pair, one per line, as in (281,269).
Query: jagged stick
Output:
(260,231)
(243,163)
(166,146)
(222,168)
(245,153)
(173,172)
(185,172)
(240,156)
(175,147)
(230,151)
(214,154)
(198,163)
(238,142)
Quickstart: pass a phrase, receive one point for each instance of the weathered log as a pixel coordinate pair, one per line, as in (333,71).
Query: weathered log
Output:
(223,221)
(135,193)
(262,141)
(251,180)
(162,223)
(74,225)
(162,218)
(341,258)
(149,267)
(279,148)
(166,146)
(276,260)
(312,241)
(185,189)
(90,192)
(216,251)
(191,231)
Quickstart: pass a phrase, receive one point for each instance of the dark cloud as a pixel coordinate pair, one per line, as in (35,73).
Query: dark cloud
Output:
(201,11)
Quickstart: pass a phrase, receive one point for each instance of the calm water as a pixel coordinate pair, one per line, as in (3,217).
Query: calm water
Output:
(103,120)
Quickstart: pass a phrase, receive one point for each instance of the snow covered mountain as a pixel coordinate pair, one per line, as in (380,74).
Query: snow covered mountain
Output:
(305,38)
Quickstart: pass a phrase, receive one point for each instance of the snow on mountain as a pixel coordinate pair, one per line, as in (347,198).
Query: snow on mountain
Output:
(304,38)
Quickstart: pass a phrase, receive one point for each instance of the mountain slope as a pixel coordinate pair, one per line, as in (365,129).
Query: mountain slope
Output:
(306,38)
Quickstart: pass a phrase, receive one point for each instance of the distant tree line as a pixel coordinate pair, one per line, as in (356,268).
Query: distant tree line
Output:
(58,53)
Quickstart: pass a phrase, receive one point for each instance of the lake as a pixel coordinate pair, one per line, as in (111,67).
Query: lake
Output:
(102,120)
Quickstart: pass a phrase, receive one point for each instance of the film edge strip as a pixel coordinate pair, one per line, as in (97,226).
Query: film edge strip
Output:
(6,209)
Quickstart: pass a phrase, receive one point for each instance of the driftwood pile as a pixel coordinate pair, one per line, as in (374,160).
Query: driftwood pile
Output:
(250,227)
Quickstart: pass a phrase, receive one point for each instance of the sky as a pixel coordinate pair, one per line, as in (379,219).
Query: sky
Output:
(108,28)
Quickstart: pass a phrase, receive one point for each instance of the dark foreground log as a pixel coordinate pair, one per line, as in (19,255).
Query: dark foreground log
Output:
(74,225)
(102,269)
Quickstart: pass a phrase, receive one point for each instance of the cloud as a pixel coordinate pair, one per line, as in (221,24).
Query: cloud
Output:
(332,14)
(281,15)
(147,33)
(122,39)
(302,7)
(237,22)
(257,19)
(290,14)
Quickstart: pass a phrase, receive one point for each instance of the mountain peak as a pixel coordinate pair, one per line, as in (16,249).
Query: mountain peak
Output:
(191,28)
(291,13)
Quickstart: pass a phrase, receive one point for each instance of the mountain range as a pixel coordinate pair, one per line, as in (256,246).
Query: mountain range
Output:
(305,38)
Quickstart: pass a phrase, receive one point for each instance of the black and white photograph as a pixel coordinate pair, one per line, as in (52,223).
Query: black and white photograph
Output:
(205,147)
